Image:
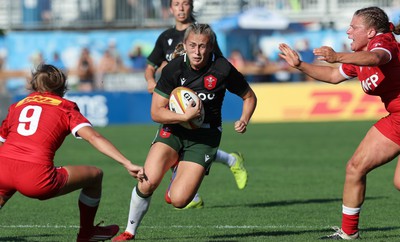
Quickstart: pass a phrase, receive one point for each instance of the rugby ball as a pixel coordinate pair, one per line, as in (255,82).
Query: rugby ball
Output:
(179,100)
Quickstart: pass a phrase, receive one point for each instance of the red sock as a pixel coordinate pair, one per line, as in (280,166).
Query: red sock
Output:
(350,223)
(87,215)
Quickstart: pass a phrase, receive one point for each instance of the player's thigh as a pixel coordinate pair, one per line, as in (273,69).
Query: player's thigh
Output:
(187,181)
(374,150)
(82,177)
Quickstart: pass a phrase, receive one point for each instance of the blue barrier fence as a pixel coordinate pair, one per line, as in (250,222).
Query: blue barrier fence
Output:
(113,108)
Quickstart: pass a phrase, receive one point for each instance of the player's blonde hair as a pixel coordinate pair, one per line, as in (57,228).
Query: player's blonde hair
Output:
(48,78)
(203,29)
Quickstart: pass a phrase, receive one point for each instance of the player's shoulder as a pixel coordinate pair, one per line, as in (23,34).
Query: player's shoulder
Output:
(382,40)
(168,32)
(69,103)
(221,63)
(176,64)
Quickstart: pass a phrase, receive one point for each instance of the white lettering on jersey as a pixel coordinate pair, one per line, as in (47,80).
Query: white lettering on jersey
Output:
(370,83)
(204,96)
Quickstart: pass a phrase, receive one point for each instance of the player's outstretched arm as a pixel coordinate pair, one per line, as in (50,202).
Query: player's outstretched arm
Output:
(106,147)
(324,73)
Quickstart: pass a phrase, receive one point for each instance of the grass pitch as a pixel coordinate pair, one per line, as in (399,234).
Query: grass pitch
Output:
(296,174)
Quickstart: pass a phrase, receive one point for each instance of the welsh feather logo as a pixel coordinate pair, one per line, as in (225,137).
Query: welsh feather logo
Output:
(210,82)
(165,133)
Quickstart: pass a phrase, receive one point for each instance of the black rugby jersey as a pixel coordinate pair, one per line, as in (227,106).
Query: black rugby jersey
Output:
(210,83)
(165,46)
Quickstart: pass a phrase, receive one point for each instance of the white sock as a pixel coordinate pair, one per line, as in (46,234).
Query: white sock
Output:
(137,210)
(89,201)
(350,211)
(225,158)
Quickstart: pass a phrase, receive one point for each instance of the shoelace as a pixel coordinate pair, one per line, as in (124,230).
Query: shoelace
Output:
(97,225)
(338,231)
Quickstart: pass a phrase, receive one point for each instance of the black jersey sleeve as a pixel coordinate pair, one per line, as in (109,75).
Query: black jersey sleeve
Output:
(157,55)
(236,83)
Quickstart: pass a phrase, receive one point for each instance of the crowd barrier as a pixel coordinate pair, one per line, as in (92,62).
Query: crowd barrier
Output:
(277,102)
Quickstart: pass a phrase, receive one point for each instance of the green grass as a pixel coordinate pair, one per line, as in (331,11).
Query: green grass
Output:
(296,173)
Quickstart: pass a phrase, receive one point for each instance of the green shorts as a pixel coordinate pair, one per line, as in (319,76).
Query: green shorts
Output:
(195,145)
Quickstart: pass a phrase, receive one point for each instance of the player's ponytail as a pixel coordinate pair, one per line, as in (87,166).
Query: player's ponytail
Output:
(48,78)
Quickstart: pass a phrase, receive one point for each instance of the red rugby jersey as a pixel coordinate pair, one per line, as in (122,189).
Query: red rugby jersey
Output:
(36,126)
(383,80)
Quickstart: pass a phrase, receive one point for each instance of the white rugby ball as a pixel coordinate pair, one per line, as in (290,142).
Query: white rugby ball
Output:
(179,99)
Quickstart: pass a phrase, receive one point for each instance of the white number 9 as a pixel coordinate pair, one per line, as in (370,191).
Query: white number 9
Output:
(29,124)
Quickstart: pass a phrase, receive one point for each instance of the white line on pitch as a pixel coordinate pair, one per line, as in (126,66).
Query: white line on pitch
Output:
(175,226)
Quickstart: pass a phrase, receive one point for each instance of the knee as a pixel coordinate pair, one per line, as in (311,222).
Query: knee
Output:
(355,169)
(179,202)
(98,173)
(146,188)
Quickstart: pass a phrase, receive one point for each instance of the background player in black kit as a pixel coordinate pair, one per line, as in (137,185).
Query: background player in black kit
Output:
(209,75)
(182,10)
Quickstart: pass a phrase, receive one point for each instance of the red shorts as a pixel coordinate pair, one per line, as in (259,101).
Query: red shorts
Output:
(31,179)
(389,126)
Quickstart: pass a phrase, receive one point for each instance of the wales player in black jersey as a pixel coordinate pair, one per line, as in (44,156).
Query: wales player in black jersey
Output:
(210,76)
(182,10)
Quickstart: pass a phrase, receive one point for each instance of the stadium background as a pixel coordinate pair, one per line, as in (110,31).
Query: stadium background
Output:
(295,168)
(43,27)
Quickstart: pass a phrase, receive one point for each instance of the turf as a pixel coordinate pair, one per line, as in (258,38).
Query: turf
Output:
(296,173)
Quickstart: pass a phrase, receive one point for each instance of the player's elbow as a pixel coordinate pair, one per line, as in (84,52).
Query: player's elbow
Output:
(155,116)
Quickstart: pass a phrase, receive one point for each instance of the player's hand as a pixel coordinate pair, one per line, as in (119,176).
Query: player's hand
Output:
(136,172)
(193,110)
(289,55)
(240,126)
(326,53)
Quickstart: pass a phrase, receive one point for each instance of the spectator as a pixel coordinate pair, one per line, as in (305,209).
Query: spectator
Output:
(260,62)
(237,60)
(112,49)
(107,65)
(282,74)
(138,61)
(165,9)
(57,62)
(307,55)
(36,58)
(86,71)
